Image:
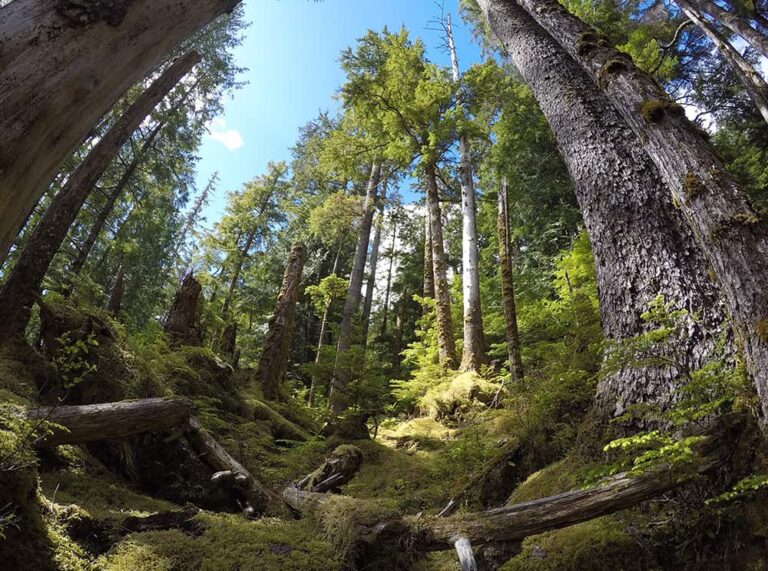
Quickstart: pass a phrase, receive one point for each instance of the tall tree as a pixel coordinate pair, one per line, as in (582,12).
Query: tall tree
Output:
(641,244)
(373,263)
(63,66)
(19,290)
(735,22)
(725,224)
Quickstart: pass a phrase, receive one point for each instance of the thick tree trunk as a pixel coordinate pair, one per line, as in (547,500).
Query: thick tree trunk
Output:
(373,263)
(445,341)
(339,398)
(473,353)
(508,287)
(228,342)
(388,291)
(112,421)
(19,290)
(106,210)
(726,226)
(428,282)
(63,65)
(116,294)
(641,245)
(277,345)
(181,323)
(736,24)
(753,82)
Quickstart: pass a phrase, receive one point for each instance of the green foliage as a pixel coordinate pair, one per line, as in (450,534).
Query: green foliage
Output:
(744,489)
(73,360)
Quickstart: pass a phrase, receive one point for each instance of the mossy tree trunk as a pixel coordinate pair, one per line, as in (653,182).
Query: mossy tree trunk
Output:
(277,345)
(339,397)
(508,286)
(726,226)
(63,65)
(641,245)
(23,283)
(181,324)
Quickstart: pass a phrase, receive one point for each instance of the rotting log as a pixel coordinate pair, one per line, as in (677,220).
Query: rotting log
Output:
(260,499)
(338,469)
(183,519)
(112,421)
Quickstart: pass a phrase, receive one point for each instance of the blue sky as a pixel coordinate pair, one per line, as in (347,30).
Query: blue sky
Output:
(291,50)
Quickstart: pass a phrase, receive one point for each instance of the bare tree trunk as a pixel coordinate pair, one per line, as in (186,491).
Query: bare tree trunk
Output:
(181,324)
(373,263)
(508,286)
(98,225)
(755,85)
(428,289)
(736,24)
(728,229)
(63,65)
(641,244)
(397,342)
(445,341)
(338,398)
(19,290)
(242,255)
(388,291)
(115,302)
(277,345)
(473,353)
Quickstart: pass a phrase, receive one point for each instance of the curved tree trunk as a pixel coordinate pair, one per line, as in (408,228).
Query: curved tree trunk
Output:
(277,346)
(18,293)
(338,398)
(63,65)
(727,228)
(181,323)
(641,245)
(508,287)
(445,341)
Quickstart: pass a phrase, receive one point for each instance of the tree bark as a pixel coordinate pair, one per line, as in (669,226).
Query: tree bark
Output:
(388,291)
(428,288)
(726,226)
(508,287)
(736,24)
(445,341)
(115,301)
(228,342)
(373,263)
(641,245)
(277,345)
(19,290)
(112,421)
(98,225)
(473,352)
(753,82)
(181,324)
(339,397)
(63,65)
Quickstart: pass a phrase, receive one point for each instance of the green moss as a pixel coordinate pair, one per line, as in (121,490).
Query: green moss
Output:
(22,370)
(654,110)
(761,328)
(605,544)
(693,186)
(747,219)
(619,63)
(457,396)
(556,478)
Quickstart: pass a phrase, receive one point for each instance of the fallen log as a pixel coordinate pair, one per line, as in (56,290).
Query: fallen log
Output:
(338,469)
(112,421)
(183,519)
(260,500)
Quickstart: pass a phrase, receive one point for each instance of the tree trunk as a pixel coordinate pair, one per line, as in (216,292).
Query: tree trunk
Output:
(428,288)
(373,263)
(115,302)
(445,341)
(755,85)
(228,342)
(388,291)
(242,255)
(181,324)
(508,287)
(473,353)
(112,421)
(277,345)
(641,245)
(19,290)
(63,65)
(726,226)
(736,24)
(397,342)
(98,225)
(339,398)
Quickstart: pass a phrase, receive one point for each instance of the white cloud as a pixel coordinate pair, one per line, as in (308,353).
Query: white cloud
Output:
(230,138)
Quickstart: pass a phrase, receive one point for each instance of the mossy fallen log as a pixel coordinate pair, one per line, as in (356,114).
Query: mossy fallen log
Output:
(338,469)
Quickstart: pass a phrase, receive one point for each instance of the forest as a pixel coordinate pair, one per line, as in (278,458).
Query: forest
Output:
(496,313)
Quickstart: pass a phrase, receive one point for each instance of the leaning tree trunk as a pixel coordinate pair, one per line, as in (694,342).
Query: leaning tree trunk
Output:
(445,341)
(508,286)
(373,263)
(181,323)
(115,301)
(641,245)
(277,345)
(339,398)
(18,293)
(753,82)
(63,65)
(473,353)
(736,24)
(734,240)
(106,210)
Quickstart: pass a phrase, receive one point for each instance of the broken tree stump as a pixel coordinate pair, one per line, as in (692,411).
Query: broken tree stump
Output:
(338,469)
(181,322)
